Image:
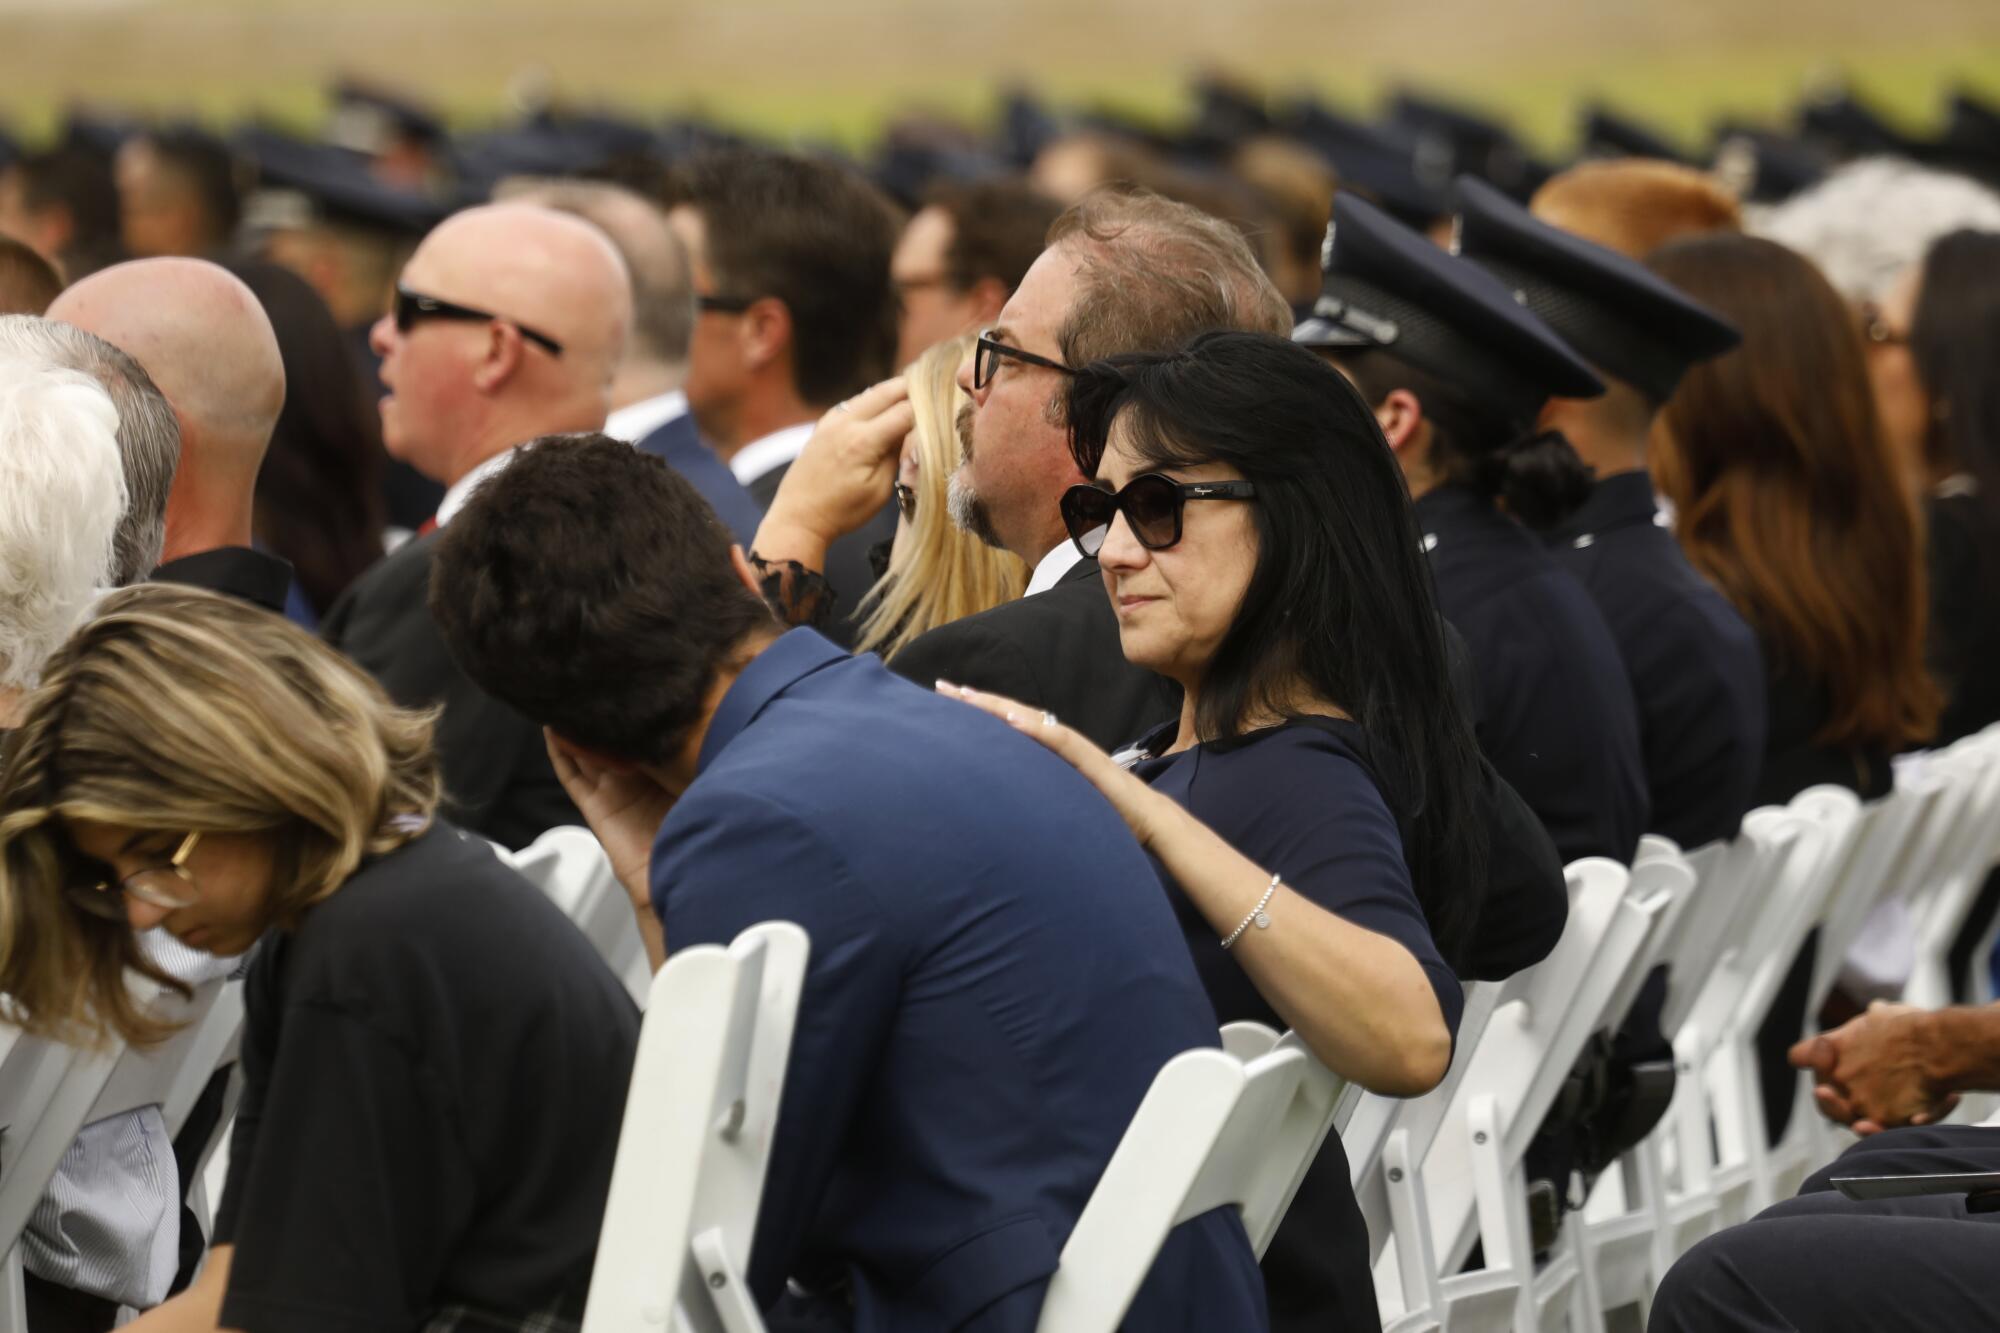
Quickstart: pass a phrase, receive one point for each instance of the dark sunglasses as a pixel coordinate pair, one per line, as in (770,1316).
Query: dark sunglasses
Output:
(726,305)
(906,501)
(413,308)
(986,359)
(1151,504)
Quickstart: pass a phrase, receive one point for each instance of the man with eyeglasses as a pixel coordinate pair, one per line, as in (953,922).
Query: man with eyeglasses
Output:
(962,255)
(793,314)
(509,324)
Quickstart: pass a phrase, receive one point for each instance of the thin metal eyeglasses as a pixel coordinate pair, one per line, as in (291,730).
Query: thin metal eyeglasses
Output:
(412,308)
(986,359)
(169,886)
(1152,505)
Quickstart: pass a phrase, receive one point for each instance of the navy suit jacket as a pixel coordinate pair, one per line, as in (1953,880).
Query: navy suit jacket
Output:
(1697,674)
(996,977)
(1555,711)
(676,443)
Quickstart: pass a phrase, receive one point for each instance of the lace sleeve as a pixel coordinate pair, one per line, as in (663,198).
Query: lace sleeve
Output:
(797,595)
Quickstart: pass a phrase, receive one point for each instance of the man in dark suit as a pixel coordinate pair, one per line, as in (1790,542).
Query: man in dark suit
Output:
(511,323)
(794,313)
(204,340)
(649,407)
(995,979)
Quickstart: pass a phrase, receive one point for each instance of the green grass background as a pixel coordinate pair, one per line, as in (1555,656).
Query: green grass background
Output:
(837,69)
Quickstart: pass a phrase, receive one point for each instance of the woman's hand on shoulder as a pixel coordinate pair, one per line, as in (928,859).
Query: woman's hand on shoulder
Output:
(1139,805)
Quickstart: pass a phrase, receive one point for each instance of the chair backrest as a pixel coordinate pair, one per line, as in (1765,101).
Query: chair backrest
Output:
(1545,1016)
(1868,869)
(569,866)
(699,1122)
(49,1091)
(1205,1135)
(1659,871)
(1366,1134)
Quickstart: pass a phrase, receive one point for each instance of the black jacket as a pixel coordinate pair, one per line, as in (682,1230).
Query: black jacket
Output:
(1059,650)
(498,781)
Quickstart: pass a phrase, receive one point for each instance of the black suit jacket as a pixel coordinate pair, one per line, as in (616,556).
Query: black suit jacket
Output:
(498,781)
(850,567)
(242,572)
(1059,651)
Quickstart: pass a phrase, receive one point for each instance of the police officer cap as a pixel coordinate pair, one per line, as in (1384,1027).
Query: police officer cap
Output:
(1387,286)
(1619,316)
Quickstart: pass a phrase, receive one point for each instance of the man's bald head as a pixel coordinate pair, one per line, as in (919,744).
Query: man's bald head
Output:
(206,342)
(463,389)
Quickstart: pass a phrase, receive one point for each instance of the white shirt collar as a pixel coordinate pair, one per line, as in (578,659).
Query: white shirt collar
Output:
(1060,560)
(461,490)
(635,422)
(775,450)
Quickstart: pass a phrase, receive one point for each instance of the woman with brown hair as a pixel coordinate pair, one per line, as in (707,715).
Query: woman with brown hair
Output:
(1786,495)
(435,1062)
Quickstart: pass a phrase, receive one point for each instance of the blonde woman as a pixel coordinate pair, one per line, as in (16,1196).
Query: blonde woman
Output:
(938,572)
(435,1062)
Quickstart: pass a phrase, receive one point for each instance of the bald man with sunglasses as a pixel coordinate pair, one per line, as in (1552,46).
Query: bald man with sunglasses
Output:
(509,323)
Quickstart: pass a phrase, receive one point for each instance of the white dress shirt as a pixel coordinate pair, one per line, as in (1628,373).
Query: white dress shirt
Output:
(1060,560)
(775,450)
(635,422)
(461,490)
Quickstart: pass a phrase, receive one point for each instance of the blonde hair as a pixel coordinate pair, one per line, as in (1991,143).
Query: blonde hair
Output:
(939,573)
(177,710)
(1636,205)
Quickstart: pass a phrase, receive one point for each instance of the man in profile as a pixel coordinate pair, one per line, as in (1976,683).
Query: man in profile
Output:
(962,255)
(510,322)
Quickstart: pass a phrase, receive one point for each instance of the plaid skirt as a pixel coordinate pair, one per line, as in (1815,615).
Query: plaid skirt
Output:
(465,1319)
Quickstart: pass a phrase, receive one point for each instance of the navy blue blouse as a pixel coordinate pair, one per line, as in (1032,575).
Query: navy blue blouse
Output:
(1303,801)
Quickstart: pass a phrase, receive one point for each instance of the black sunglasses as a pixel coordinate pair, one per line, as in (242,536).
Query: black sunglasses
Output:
(906,500)
(412,308)
(1151,504)
(986,359)
(727,305)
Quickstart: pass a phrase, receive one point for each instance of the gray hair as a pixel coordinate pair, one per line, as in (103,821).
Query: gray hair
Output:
(662,291)
(1153,273)
(1871,220)
(62,495)
(149,435)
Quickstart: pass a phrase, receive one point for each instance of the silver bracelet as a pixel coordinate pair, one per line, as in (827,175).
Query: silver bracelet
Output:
(1258,917)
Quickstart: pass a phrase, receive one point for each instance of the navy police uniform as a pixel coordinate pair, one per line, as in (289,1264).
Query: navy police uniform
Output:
(1697,675)
(1554,712)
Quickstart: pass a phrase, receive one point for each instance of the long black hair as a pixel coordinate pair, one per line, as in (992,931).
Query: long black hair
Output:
(1341,604)
(319,493)
(1955,342)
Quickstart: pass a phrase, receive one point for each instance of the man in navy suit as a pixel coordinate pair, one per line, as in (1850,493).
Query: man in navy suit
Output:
(648,406)
(995,977)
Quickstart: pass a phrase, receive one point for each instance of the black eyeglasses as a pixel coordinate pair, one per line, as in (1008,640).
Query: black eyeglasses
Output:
(412,308)
(727,305)
(1151,504)
(986,359)
(906,500)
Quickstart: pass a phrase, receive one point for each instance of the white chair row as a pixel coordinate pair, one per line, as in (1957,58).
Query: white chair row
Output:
(49,1091)
(1728,920)
(1237,1126)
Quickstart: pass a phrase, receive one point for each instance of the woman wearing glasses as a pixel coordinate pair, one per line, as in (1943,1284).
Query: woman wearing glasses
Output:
(435,1061)
(1312,810)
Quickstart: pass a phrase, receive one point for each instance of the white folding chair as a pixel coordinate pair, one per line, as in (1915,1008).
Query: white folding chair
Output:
(1212,1130)
(699,1122)
(1323,1103)
(570,867)
(1958,871)
(50,1091)
(1473,1177)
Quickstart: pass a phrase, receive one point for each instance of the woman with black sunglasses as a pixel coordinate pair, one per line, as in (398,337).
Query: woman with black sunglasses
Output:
(1312,811)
